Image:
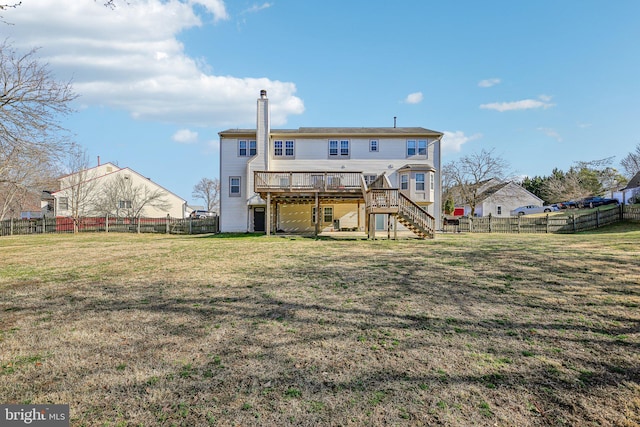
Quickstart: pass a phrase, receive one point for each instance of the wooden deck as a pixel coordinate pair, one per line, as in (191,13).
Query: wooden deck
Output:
(311,183)
(342,187)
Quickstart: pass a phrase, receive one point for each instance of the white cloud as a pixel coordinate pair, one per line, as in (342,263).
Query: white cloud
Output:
(216,7)
(551,133)
(185,136)
(257,8)
(414,98)
(452,142)
(525,104)
(130,58)
(489,82)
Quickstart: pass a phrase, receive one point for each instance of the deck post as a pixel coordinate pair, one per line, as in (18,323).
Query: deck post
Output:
(317,215)
(372,226)
(388,226)
(395,227)
(268,215)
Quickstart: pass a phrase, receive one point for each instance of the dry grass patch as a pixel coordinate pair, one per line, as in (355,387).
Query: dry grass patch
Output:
(464,330)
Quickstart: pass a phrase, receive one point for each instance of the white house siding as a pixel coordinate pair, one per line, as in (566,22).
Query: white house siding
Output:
(234,213)
(311,153)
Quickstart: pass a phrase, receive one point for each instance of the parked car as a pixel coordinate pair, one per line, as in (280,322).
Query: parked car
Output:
(533,209)
(592,202)
(570,204)
(199,214)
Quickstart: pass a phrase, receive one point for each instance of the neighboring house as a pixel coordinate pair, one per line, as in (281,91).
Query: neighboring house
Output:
(631,193)
(122,192)
(499,198)
(316,179)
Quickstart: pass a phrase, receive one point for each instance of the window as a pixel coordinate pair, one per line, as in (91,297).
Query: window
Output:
(124,204)
(499,210)
(247,148)
(373,145)
(422,148)
(63,203)
(333,148)
(288,148)
(344,148)
(404,182)
(368,179)
(234,186)
(431,181)
(416,147)
(328,214)
(419,182)
(411,148)
(343,145)
(284,148)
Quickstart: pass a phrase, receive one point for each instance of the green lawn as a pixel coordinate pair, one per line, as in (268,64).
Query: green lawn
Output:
(131,330)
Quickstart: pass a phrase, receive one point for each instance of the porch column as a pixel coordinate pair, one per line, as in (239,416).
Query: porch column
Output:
(268,215)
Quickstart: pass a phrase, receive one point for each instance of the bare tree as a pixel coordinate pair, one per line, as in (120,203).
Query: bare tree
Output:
(31,104)
(123,199)
(21,185)
(561,187)
(6,6)
(79,186)
(463,178)
(631,163)
(209,191)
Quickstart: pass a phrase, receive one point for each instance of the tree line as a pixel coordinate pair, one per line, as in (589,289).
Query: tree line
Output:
(584,179)
(463,178)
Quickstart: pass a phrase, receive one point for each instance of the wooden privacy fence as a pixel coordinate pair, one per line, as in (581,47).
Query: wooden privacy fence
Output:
(165,225)
(566,223)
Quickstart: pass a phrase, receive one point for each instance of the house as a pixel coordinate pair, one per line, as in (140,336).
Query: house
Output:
(314,179)
(109,189)
(631,193)
(499,198)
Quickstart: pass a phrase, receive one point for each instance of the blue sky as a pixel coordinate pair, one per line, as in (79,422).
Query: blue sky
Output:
(543,83)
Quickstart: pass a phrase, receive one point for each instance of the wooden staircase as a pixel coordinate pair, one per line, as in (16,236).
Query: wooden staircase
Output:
(415,218)
(381,198)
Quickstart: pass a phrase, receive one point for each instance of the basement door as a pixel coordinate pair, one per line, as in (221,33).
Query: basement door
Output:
(258,219)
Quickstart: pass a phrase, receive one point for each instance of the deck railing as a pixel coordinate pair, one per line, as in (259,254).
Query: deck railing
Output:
(307,181)
(416,215)
(382,200)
